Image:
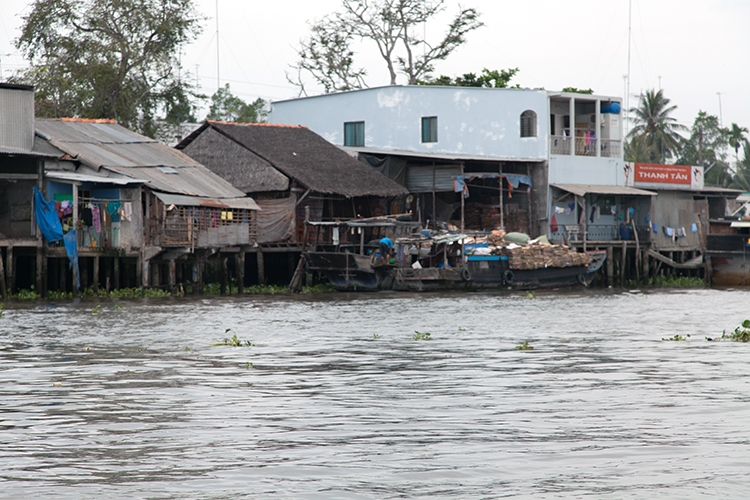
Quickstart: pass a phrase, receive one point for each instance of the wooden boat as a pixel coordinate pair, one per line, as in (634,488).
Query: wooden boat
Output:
(424,260)
(728,252)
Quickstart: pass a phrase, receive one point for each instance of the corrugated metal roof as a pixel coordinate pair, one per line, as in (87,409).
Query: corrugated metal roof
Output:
(70,176)
(583,189)
(117,149)
(193,201)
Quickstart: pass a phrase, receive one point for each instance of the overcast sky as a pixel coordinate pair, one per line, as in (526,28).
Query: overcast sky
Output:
(696,50)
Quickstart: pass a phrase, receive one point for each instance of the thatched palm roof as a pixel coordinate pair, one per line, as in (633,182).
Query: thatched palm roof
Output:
(293,152)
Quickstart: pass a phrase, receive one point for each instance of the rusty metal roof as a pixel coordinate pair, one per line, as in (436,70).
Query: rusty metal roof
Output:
(104,145)
(583,189)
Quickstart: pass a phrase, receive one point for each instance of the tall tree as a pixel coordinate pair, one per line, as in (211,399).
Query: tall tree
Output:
(737,139)
(227,107)
(639,149)
(392,26)
(652,120)
(706,147)
(487,78)
(109,58)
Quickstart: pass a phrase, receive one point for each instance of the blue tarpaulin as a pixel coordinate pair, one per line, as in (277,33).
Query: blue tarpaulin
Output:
(51,228)
(47,218)
(71,248)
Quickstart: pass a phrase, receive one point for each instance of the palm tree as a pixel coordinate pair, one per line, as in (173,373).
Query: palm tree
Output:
(736,137)
(652,121)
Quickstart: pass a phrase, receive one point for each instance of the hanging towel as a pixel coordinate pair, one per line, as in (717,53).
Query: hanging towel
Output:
(127,210)
(656,227)
(694,228)
(553,224)
(113,207)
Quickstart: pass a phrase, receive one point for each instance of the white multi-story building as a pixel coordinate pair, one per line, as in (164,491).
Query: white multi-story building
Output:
(519,156)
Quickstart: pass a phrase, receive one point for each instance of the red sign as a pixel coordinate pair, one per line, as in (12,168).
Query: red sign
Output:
(662,174)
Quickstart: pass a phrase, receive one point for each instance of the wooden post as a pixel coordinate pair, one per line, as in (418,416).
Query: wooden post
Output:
(62,274)
(623,263)
(84,272)
(117,272)
(240,265)
(645,266)
(3,288)
(610,267)
(74,273)
(96,274)
(40,271)
(222,275)
(139,270)
(10,272)
(196,276)
(172,276)
(261,268)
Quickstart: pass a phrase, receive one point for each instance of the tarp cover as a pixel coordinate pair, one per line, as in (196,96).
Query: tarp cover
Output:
(275,219)
(47,218)
(71,248)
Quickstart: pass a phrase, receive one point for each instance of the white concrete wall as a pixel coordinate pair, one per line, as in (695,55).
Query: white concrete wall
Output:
(473,122)
(586,170)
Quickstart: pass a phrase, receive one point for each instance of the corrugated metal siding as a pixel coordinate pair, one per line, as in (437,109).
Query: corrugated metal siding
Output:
(427,179)
(16,119)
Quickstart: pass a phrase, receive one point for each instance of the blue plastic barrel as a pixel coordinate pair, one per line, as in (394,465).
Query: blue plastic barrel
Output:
(611,107)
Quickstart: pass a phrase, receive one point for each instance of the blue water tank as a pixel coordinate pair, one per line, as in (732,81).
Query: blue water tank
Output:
(611,107)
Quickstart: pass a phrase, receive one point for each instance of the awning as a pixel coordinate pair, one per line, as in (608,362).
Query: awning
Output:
(246,203)
(78,178)
(584,189)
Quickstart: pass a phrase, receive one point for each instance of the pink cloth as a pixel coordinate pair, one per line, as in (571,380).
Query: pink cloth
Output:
(96,219)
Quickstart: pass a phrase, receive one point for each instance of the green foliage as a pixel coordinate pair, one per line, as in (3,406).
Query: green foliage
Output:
(96,309)
(671,282)
(740,334)
(227,107)
(392,27)
(705,147)
(530,294)
(659,130)
(319,288)
(524,347)
(25,295)
(234,341)
(487,79)
(248,366)
(56,295)
(677,338)
(574,90)
(375,336)
(2,313)
(113,59)
(422,335)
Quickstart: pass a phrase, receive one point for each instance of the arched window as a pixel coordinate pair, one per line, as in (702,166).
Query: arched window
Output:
(528,123)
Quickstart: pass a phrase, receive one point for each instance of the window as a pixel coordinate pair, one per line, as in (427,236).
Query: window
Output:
(528,123)
(429,129)
(354,134)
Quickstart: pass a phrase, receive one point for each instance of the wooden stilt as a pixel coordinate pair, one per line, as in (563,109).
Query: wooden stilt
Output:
(10,271)
(40,271)
(223,275)
(610,267)
(261,268)
(3,287)
(116,280)
(623,263)
(83,264)
(172,276)
(62,275)
(96,275)
(196,276)
(240,264)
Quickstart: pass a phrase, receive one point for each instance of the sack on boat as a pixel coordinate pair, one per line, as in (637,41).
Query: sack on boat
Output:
(519,238)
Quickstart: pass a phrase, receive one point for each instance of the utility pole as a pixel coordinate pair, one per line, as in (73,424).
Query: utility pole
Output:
(218,73)
(627,91)
(721,122)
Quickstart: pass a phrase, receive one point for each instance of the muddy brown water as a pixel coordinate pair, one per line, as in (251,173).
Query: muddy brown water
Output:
(135,402)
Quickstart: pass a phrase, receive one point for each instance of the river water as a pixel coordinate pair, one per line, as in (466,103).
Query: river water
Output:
(336,398)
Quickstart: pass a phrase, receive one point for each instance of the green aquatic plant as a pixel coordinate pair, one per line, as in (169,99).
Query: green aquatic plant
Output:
(740,334)
(118,308)
(524,347)
(248,365)
(1,310)
(530,294)
(96,309)
(375,336)
(677,338)
(26,294)
(234,341)
(421,335)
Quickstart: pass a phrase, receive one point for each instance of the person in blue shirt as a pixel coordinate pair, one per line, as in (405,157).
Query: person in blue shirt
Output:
(386,244)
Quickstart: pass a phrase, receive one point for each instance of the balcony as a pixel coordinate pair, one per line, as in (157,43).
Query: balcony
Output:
(585,146)
(601,233)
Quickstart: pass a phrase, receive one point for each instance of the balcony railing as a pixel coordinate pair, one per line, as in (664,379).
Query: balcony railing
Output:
(601,232)
(560,145)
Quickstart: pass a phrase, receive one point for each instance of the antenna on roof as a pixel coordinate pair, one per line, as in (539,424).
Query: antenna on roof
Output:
(218,79)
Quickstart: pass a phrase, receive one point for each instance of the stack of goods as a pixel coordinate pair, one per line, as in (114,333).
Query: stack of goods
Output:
(542,255)
(491,218)
(473,216)
(516,219)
